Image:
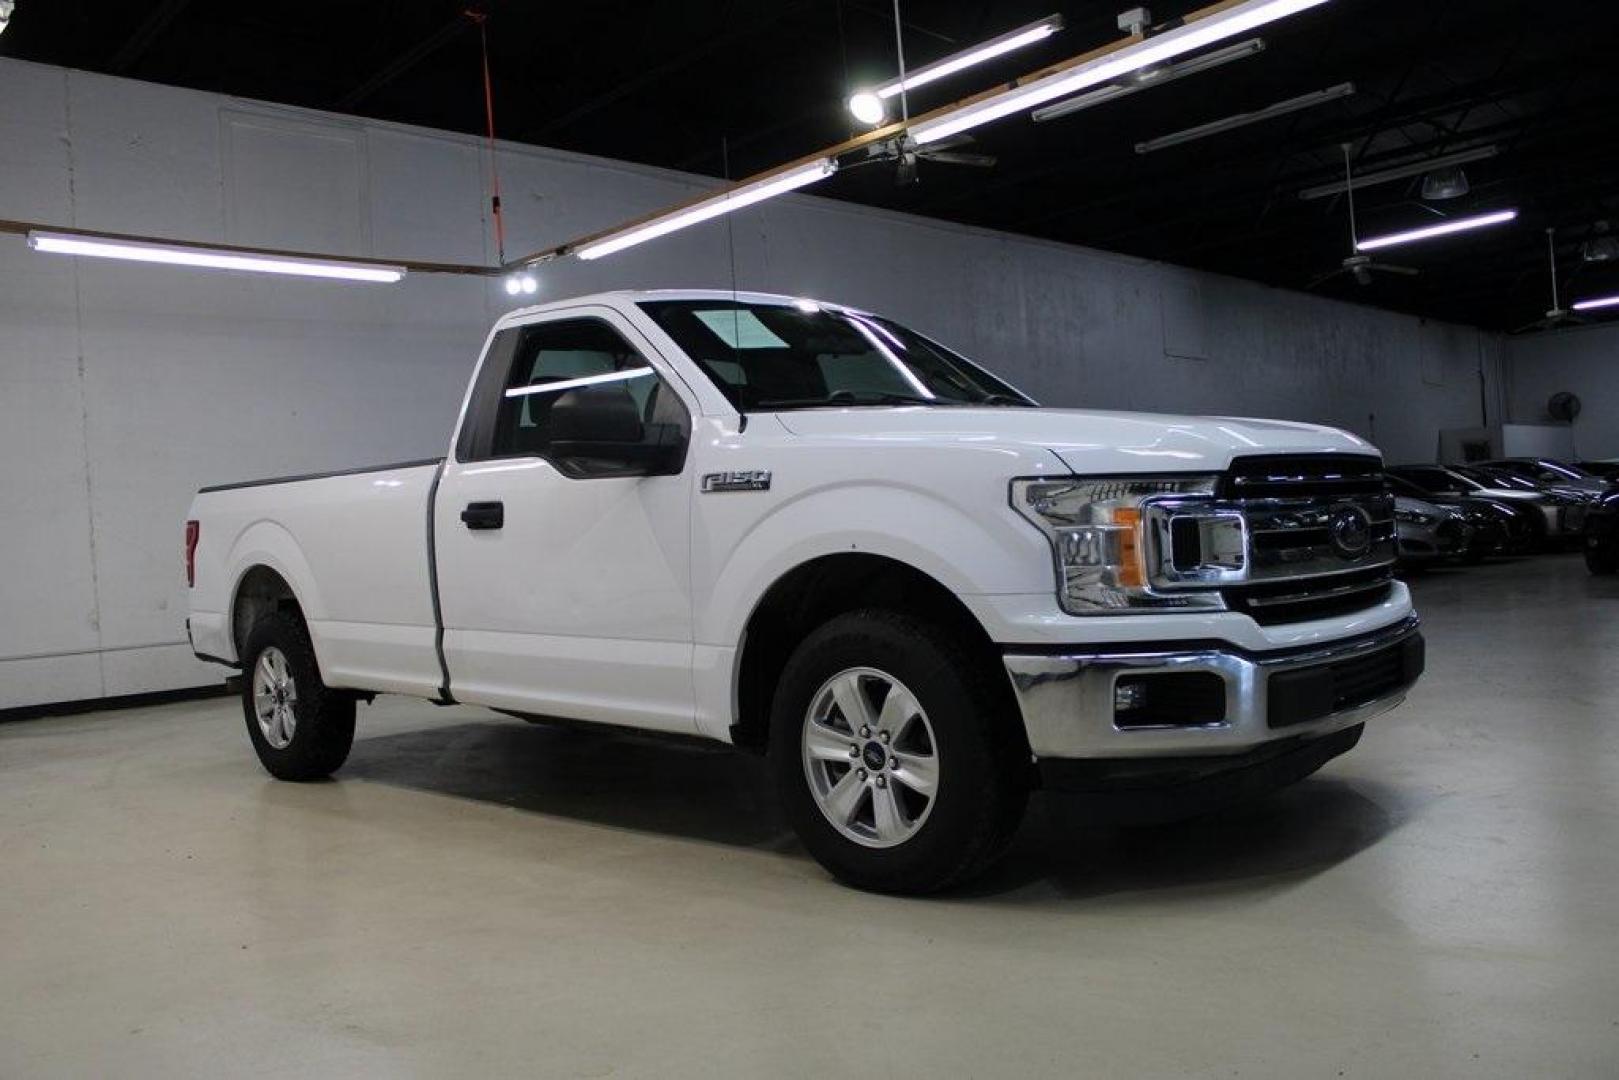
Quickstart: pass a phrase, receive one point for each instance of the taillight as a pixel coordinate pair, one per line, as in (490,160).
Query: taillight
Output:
(193,534)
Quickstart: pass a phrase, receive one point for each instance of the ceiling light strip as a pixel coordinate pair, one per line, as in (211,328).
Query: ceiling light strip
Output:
(1216,22)
(1197,31)
(1402,172)
(211,259)
(712,207)
(1597,302)
(1147,80)
(1242,120)
(1377,243)
(1010,41)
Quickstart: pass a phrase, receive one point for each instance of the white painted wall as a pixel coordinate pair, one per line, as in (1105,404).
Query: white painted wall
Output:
(123,388)
(1585,361)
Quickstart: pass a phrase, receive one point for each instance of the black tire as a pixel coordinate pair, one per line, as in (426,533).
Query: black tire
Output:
(1601,556)
(323,728)
(982,756)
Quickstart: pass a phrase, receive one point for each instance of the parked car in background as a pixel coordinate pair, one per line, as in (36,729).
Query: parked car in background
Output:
(1607,469)
(1549,473)
(1500,527)
(1572,502)
(1459,482)
(1602,535)
(1430,533)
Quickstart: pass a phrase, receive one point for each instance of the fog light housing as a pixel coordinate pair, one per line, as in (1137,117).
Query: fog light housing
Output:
(1171,699)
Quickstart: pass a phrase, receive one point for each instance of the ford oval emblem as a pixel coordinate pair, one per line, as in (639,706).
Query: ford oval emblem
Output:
(1350,529)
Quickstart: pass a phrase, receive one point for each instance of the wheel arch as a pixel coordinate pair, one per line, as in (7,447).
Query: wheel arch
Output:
(259,589)
(820,589)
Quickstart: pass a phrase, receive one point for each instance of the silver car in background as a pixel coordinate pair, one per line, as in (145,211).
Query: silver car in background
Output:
(1429,533)
(1463,481)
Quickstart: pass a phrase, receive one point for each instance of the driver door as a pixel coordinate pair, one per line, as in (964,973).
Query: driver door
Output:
(563,530)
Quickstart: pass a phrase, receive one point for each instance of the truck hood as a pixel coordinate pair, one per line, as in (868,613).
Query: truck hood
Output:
(1087,441)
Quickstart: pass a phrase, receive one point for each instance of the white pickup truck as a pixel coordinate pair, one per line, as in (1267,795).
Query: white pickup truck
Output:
(811,532)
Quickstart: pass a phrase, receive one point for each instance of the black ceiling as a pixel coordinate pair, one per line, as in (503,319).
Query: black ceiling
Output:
(671,83)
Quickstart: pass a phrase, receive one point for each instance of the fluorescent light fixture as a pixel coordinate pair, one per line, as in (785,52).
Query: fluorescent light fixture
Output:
(211,259)
(1428,232)
(1402,172)
(1188,37)
(1596,303)
(1145,80)
(1010,41)
(574,384)
(1241,120)
(712,207)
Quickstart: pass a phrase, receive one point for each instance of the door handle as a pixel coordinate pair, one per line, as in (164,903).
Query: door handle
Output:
(484,515)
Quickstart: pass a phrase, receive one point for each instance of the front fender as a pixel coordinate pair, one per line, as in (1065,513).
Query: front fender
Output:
(968,553)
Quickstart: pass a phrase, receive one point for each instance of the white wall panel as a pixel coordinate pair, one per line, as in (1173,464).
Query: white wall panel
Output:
(145,158)
(190,378)
(1584,361)
(295,183)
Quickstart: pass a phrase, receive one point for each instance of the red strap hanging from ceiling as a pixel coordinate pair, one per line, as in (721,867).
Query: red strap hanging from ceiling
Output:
(482,18)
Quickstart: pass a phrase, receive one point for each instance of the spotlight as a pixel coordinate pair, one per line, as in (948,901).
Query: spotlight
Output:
(530,286)
(513,286)
(867,108)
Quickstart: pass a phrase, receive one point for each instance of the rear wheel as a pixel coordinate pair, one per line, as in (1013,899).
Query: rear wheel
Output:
(899,762)
(301,728)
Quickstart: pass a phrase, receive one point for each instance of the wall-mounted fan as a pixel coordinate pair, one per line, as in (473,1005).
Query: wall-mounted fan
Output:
(1563,407)
(1360,267)
(1557,315)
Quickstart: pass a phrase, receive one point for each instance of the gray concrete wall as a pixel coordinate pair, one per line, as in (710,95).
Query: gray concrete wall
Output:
(1584,361)
(125,387)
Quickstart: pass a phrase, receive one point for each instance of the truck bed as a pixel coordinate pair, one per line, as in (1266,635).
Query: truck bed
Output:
(358,544)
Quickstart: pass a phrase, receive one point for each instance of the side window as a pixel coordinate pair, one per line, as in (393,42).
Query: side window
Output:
(560,372)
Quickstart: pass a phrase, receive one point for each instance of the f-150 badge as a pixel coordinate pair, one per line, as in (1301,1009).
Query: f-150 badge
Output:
(740,480)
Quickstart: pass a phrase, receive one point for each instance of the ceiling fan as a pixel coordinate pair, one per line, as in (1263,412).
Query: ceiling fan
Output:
(1358,266)
(1557,315)
(907,155)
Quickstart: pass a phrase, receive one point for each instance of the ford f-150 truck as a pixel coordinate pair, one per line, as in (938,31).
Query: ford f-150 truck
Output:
(809,531)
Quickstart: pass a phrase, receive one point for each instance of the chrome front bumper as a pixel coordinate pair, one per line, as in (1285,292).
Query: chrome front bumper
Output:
(1067,699)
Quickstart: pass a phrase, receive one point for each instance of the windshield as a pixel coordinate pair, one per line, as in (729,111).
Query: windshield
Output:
(1434,481)
(1568,472)
(775,357)
(1496,479)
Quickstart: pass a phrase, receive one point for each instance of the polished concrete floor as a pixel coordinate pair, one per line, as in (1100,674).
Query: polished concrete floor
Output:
(475,896)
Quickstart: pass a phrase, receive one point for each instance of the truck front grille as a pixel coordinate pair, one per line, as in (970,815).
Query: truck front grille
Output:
(1321,536)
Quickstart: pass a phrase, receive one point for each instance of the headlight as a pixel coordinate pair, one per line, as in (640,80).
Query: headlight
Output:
(1110,541)
(1414,517)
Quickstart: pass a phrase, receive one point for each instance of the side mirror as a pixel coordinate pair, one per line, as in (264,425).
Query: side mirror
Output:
(597,431)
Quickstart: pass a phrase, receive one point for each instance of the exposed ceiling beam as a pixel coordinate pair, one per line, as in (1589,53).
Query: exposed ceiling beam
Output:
(651,76)
(406,60)
(156,21)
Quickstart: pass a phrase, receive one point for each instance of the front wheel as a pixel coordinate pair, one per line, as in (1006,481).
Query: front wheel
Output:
(899,759)
(301,728)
